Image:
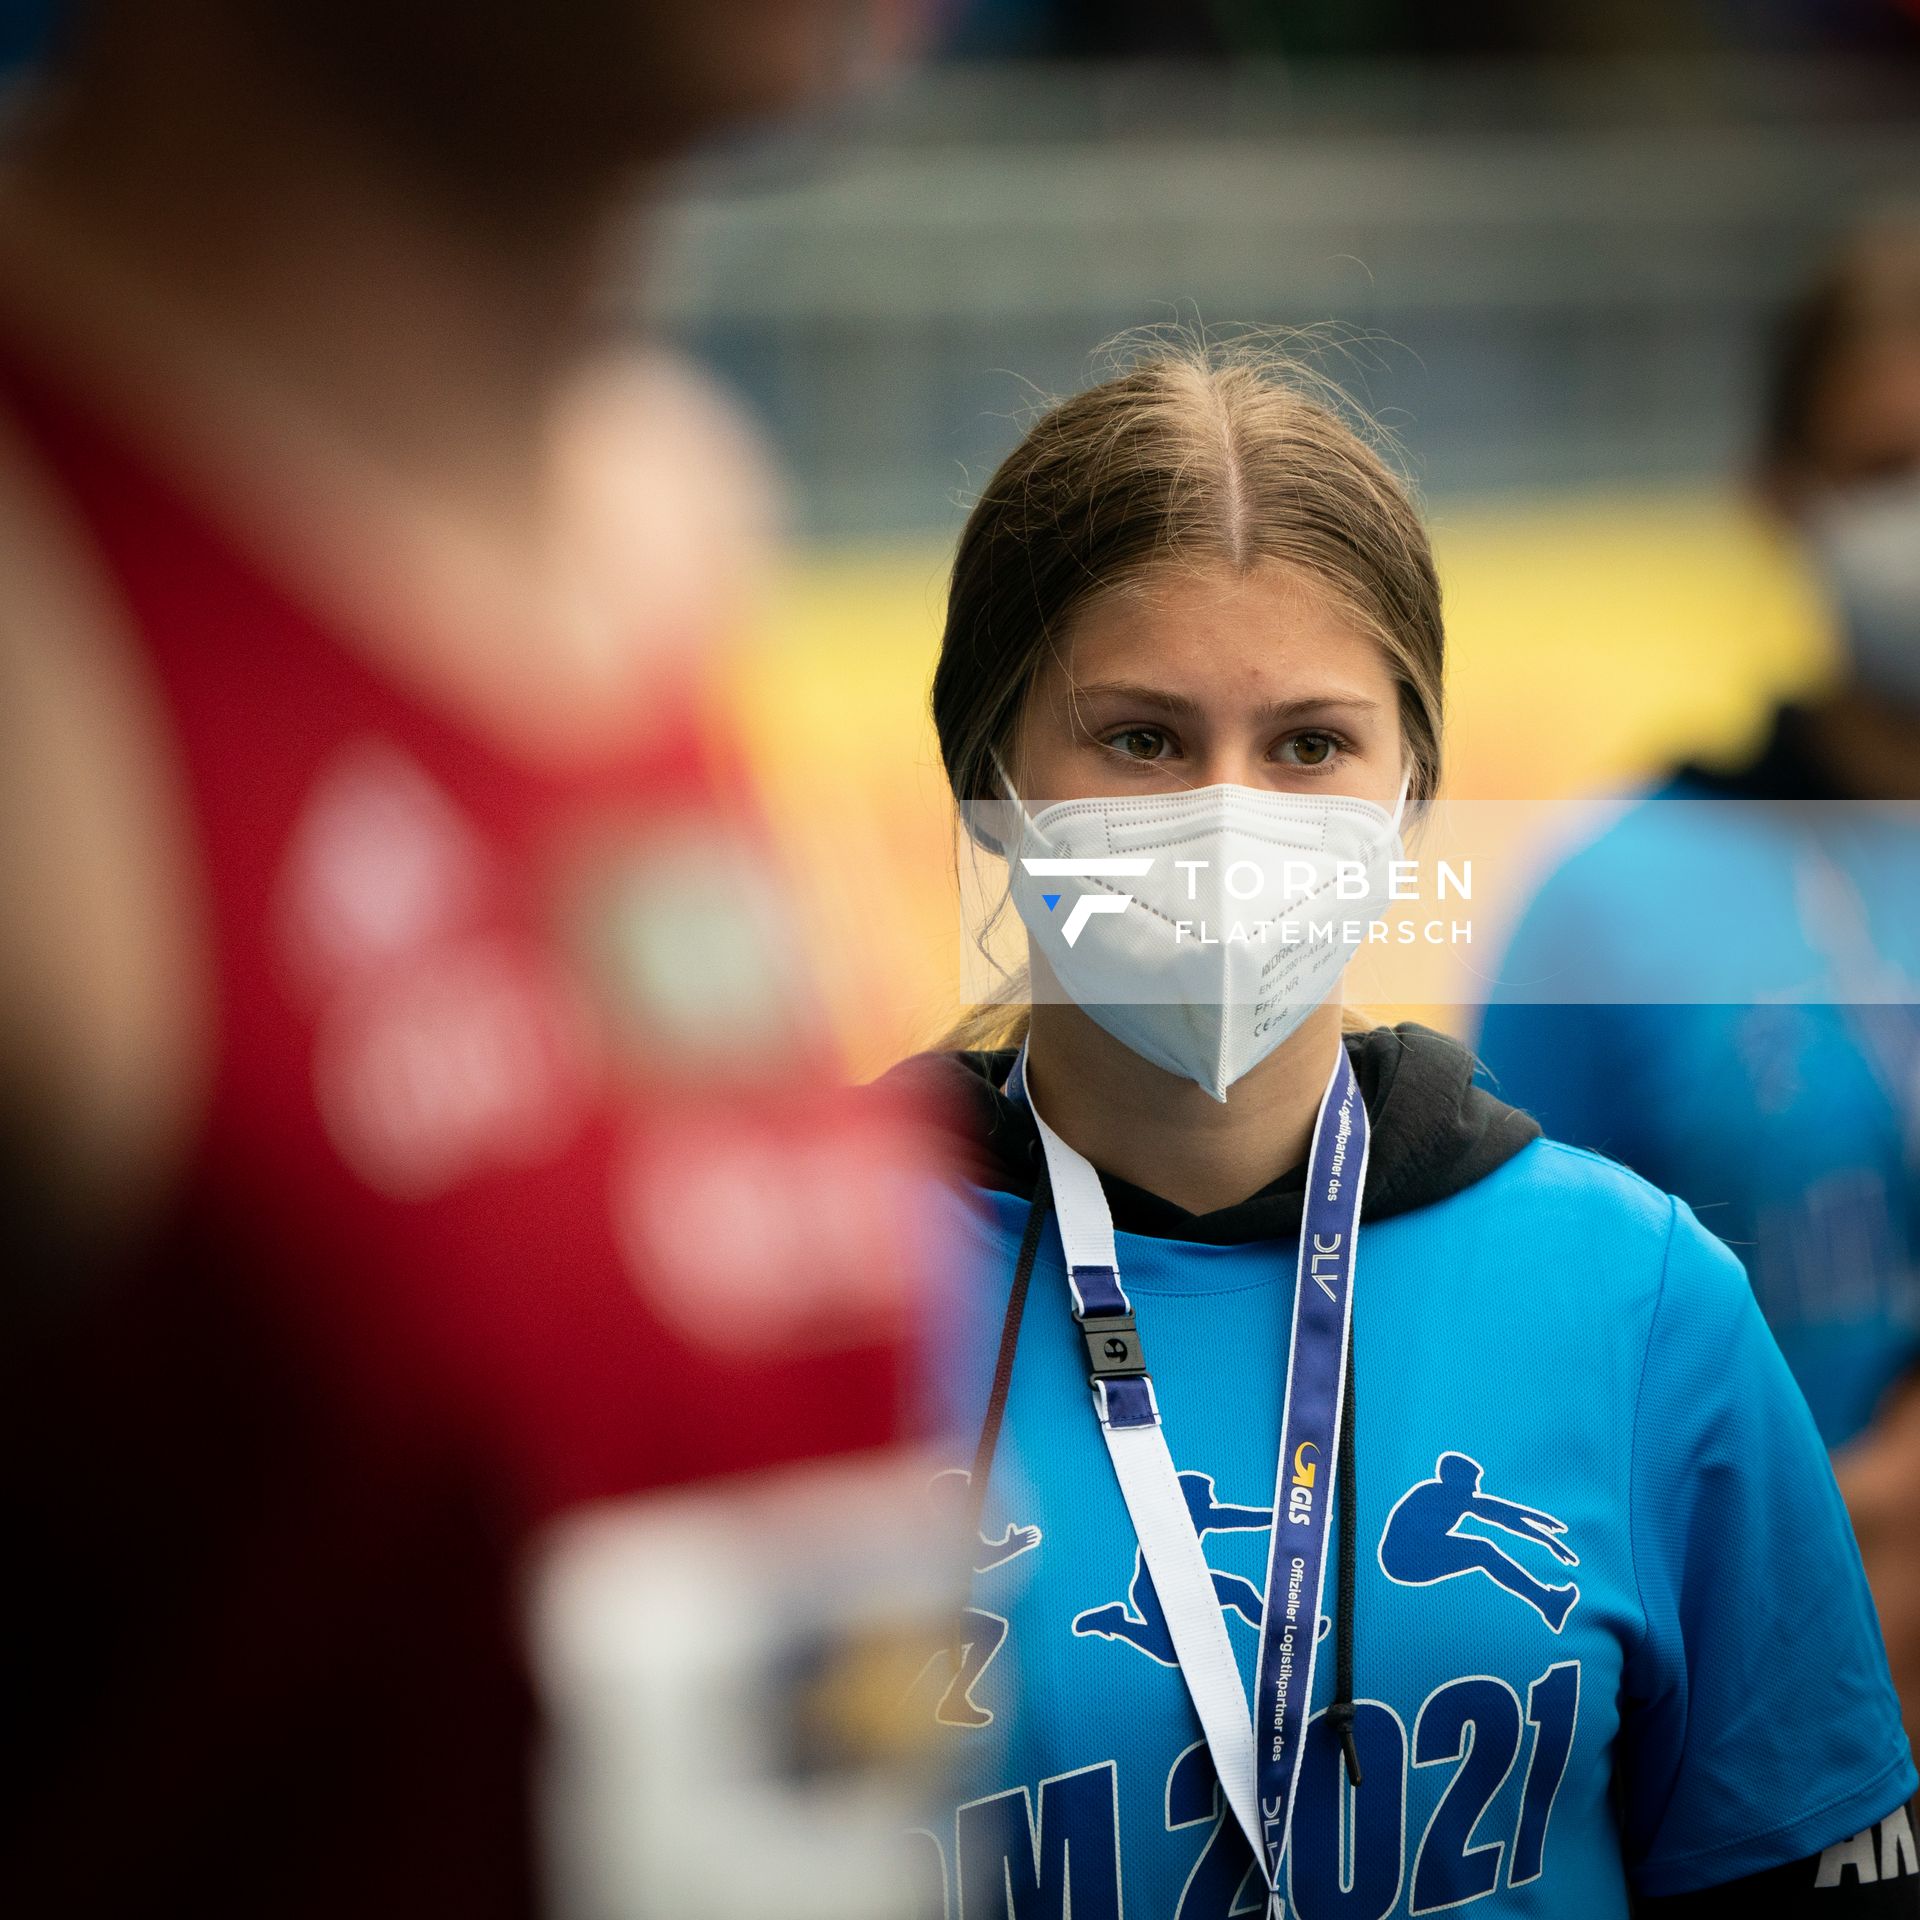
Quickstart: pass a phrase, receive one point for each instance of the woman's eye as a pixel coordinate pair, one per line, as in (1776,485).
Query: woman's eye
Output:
(1138,743)
(1311,749)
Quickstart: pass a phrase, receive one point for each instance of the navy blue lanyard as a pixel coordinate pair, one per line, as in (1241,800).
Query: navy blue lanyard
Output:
(1259,1775)
(1310,1428)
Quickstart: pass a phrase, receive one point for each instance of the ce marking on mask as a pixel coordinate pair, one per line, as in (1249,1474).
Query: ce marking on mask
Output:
(1099,867)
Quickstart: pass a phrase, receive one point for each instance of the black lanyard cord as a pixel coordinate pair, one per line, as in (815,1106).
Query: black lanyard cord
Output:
(996,1413)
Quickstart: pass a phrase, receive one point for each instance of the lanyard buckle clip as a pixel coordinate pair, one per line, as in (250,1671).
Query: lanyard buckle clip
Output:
(1113,1345)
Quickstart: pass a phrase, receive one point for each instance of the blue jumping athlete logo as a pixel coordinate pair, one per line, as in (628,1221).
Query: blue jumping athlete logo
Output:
(1420,1544)
(1141,1620)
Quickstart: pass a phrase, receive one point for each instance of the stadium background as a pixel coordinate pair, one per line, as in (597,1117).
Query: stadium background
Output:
(1542,244)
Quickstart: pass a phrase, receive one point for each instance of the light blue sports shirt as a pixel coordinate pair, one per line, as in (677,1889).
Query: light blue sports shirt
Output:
(1610,1624)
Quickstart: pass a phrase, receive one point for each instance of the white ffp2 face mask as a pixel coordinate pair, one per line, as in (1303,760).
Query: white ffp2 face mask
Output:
(1201,928)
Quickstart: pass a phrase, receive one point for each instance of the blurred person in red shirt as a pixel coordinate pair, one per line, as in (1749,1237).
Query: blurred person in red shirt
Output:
(414,1132)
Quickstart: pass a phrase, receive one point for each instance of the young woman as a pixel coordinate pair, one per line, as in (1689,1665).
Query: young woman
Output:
(1549,1603)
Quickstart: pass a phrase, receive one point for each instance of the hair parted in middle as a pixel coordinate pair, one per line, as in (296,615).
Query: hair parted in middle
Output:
(1193,454)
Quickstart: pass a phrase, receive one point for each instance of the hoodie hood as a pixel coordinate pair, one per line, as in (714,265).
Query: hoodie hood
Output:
(1435,1133)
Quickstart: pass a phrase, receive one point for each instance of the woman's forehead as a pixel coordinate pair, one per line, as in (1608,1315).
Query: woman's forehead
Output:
(1264,625)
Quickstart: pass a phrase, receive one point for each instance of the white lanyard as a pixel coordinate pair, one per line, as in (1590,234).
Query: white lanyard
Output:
(1258,1773)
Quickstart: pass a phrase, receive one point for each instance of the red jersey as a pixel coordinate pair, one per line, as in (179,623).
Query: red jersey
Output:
(512,1194)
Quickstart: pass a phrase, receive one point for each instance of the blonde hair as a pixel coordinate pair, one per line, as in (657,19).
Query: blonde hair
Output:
(1193,453)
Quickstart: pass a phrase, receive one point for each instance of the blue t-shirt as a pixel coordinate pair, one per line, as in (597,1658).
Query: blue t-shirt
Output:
(1789,1118)
(1690,1689)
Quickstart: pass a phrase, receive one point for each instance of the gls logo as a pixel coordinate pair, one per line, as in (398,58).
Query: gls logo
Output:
(1300,1494)
(1099,867)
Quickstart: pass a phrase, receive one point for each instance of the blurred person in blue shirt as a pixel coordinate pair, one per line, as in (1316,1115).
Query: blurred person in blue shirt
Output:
(1783,1100)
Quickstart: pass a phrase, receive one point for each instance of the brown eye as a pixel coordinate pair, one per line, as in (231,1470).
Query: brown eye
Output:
(1138,743)
(1313,749)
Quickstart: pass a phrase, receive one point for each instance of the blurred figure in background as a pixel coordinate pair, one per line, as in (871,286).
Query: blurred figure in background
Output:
(1793,1128)
(412,1129)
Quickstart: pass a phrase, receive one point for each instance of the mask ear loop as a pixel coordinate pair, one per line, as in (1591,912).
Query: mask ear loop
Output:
(1006,779)
(969,813)
(1400,805)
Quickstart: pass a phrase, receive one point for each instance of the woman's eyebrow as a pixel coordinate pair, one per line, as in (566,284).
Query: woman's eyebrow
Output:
(1277,711)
